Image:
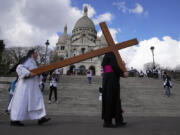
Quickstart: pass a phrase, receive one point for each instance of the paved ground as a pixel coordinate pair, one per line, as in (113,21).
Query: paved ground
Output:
(92,125)
(147,109)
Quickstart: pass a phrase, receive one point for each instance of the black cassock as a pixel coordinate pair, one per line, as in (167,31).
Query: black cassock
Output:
(111,103)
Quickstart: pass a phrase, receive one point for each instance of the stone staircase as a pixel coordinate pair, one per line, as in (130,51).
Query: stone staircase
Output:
(140,97)
(75,96)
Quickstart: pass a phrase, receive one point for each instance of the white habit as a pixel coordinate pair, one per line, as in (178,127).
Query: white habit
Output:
(27,102)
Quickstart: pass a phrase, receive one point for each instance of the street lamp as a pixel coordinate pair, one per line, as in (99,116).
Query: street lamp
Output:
(2,46)
(152,49)
(47,43)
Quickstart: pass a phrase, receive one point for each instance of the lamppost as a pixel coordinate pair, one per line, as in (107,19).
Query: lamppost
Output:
(2,46)
(47,43)
(152,49)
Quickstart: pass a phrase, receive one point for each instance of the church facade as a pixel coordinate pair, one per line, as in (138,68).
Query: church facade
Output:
(84,39)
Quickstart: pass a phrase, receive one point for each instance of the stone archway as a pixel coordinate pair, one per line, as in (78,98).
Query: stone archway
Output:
(82,70)
(93,69)
(72,69)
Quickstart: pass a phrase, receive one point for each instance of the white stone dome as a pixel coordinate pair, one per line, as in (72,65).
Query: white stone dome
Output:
(84,22)
(84,27)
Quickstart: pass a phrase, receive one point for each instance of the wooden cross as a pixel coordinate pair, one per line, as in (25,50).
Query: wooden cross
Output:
(110,48)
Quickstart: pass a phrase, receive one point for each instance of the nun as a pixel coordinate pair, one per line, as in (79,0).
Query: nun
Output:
(27,102)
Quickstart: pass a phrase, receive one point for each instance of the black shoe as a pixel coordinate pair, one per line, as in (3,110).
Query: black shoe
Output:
(121,124)
(7,112)
(43,120)
(16,123)
(109,125)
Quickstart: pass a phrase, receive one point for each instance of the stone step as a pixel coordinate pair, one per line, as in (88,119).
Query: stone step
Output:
(140,97)
(79,79)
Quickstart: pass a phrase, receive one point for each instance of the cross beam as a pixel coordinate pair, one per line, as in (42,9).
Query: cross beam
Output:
(111,44)
(111,48)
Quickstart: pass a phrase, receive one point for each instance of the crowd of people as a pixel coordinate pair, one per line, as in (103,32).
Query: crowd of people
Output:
(152,73)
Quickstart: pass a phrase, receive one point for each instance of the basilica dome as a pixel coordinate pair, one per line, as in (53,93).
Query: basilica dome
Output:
(84,27)
(84,22)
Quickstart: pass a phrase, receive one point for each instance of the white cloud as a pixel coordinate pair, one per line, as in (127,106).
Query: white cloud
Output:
(53,40)
(121,5)
(119,29)
(166,53)
(113,32)
(91,10)
(28,23)
(104,17)
(50,15)
(137,10)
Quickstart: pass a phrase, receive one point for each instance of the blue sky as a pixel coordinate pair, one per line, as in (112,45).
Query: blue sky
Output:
(153,22)
(159,17)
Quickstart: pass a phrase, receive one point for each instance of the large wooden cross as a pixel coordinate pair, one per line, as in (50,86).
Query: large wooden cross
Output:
(112,47)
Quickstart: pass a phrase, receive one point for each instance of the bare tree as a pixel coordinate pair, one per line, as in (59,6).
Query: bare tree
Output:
(54,57)
(13,55)
(149,66)
(177,68)
(41,52)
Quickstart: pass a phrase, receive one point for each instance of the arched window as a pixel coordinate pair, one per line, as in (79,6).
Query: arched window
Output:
(82,50)
(62,47)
